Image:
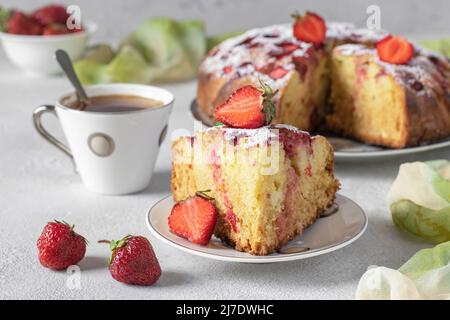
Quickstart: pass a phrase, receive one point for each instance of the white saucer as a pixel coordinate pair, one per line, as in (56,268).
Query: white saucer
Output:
(342,224)
(347,149)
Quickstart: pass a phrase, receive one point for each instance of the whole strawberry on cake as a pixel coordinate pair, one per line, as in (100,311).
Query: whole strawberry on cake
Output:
(363,84)
(253,184)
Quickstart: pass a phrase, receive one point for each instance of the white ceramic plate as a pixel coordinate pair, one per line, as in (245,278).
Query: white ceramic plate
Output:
(342,224)
(347,149)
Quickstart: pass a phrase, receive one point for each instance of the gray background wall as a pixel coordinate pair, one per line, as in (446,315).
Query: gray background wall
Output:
(117,17)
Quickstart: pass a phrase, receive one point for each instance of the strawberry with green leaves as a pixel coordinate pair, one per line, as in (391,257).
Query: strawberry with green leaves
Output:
(60,246)
(248,107)
(133,261)
(309,28)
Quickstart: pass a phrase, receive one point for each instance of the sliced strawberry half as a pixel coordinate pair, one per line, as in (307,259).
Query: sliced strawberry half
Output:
(248,107)
(309,28)
(395,49)
(194,219)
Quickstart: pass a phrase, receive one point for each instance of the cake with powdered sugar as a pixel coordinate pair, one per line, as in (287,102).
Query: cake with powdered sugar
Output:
(267,179)
(395,105)
(322,86)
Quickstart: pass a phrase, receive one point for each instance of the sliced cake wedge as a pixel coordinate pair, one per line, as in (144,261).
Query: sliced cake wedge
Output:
(269,184)
(387,104)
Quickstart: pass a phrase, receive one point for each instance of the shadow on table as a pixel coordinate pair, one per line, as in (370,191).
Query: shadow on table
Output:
(172,279)
(160,183)
(93,263)
(382,244)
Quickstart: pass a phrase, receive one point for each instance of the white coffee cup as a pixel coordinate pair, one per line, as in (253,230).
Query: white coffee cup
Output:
(114,152)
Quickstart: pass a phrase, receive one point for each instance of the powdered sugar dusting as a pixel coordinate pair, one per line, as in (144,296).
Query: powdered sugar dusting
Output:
(254,137)
(254,53)
(419,74)
(235,51)
(253,49)
(288,127)
(409,74)
(354,49)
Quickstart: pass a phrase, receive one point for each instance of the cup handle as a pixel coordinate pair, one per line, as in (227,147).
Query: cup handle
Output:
(37,114)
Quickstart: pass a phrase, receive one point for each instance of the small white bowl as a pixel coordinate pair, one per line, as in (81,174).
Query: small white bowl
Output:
(35,54)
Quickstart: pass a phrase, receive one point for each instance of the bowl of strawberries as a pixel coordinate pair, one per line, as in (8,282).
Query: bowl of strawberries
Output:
(30,39)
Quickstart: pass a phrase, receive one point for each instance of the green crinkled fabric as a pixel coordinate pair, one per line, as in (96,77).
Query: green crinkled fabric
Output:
(426,275)
(428,224)
(160,50)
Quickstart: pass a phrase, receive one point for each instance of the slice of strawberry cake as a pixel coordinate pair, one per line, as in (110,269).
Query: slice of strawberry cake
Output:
(268,182)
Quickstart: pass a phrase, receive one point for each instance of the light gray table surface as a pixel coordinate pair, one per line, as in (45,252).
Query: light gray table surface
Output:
(38,184)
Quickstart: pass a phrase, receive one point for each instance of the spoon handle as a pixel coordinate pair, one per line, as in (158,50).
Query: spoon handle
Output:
(66,64)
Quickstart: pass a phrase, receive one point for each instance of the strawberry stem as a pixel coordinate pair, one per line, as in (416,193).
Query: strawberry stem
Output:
(115,244)
(268,105)
(203,194)
(296,15)
(72,227)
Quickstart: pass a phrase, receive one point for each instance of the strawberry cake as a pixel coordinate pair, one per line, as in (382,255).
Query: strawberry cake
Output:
(268,184)
(395,105)
(255,184)
(311,65)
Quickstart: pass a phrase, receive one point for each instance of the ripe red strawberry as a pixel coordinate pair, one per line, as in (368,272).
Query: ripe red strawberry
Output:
(248,107)
(309,28)
(194,218)
(133,261)
(395,49)
(51,14)
(55,29)
(59,246)
(20,23)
